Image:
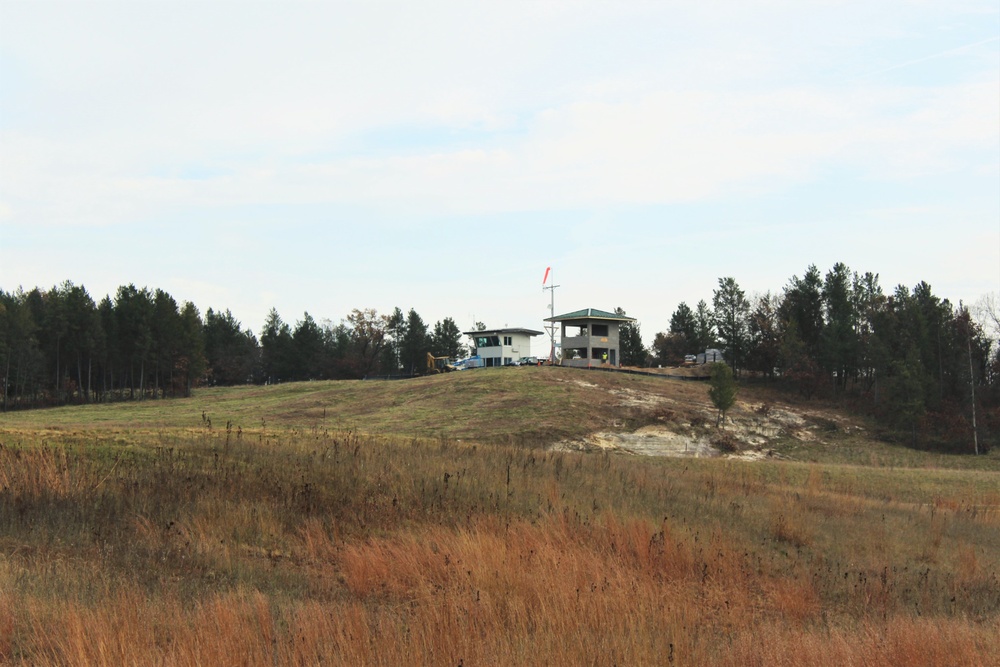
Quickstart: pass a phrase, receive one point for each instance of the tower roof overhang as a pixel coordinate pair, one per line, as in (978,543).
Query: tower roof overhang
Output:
(590,314)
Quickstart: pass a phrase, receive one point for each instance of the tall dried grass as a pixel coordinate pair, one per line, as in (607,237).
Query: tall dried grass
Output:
(348,549)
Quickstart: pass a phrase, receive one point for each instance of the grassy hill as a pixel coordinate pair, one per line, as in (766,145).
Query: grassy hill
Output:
(487,518)
(537,404)
(531,406)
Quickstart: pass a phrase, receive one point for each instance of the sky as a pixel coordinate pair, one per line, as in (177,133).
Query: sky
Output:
(323,156)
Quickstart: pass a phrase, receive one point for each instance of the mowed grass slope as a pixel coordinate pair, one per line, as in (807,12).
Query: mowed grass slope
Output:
(393,529)
(531,405)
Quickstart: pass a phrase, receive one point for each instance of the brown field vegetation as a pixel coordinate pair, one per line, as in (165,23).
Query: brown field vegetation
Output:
(256,545)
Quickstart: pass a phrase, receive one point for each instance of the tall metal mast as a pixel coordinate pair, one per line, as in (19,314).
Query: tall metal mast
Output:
(552,309)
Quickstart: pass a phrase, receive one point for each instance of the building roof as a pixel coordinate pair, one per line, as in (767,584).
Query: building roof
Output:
(514,330)
(590,314)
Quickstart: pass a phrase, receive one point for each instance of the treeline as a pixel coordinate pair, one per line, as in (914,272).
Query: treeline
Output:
(59,346)
(923,367)
(916,362)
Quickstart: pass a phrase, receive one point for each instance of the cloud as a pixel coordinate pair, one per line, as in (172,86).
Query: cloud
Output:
(578,116)
(654,147)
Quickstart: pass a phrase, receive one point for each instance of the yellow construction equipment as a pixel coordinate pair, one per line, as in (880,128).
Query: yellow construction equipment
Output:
(438,364)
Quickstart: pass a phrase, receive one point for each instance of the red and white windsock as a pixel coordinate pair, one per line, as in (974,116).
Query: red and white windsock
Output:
(546,278)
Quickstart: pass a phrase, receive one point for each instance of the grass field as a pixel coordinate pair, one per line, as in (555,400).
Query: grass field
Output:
(528,405)
(425,522)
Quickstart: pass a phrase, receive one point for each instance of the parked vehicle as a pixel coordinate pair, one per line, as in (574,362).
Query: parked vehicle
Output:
(471,362)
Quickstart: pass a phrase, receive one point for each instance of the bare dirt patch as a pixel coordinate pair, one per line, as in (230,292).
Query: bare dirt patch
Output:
(648,441)
(639,399)
(680,421)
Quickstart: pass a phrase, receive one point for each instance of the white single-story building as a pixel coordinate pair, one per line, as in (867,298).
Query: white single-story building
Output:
(499,347)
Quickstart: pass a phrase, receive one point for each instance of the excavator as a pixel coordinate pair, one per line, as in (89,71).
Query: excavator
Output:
(438,364)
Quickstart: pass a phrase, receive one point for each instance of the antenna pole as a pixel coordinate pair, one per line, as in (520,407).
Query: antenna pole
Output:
(972,380)
(552,325)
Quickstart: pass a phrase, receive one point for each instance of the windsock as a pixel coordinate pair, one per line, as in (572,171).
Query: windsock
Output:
(546,278)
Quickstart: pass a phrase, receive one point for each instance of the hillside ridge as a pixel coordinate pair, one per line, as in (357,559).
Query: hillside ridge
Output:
(547,407)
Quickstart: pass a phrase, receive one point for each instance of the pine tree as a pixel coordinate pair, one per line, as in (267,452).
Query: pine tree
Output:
(838,341)
(307,349)
(684,324)
(722,389)
(704,327)
(633,352)
(446,339)
(803,305)
(276,349)
(731,311)
(415,343)
(192,362)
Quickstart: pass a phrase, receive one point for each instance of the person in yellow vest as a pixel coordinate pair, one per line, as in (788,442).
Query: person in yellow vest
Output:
(604,358)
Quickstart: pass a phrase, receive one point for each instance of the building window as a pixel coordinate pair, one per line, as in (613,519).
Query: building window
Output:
(600,329)
(487,341)
(507,340)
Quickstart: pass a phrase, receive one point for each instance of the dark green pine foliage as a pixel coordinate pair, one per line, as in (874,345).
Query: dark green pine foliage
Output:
(415,344)
(731,311)
(446,339)
(633,352)
(722,389)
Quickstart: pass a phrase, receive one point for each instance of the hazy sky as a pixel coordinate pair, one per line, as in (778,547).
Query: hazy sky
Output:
(439,155)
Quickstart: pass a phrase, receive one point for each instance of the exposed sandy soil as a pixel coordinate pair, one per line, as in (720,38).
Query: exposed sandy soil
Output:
(701,371)
(689,430)
(648,441)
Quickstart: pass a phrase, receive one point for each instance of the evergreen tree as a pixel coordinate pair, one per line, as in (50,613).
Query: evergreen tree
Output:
(49,311)
(396,328)
(684,324)
(764,331)
(446,339)
(415,344)
(905,400)
(5,354)
(166,340)
(838,341)
(803,305)
(339,352)
(133,310)
(704,327)
(798,366)
(277,353)
(722,389)
(20,348)
(233,355)
(731,310)
(192,363)
(307,349)
(83,336)
(633,352)
(108,359)
(869,304)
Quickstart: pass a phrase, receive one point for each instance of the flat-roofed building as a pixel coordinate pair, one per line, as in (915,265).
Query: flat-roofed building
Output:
(500,347)
(590,337)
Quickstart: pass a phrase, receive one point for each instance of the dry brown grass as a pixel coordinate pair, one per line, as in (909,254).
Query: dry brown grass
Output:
(557,592)
(316,546)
